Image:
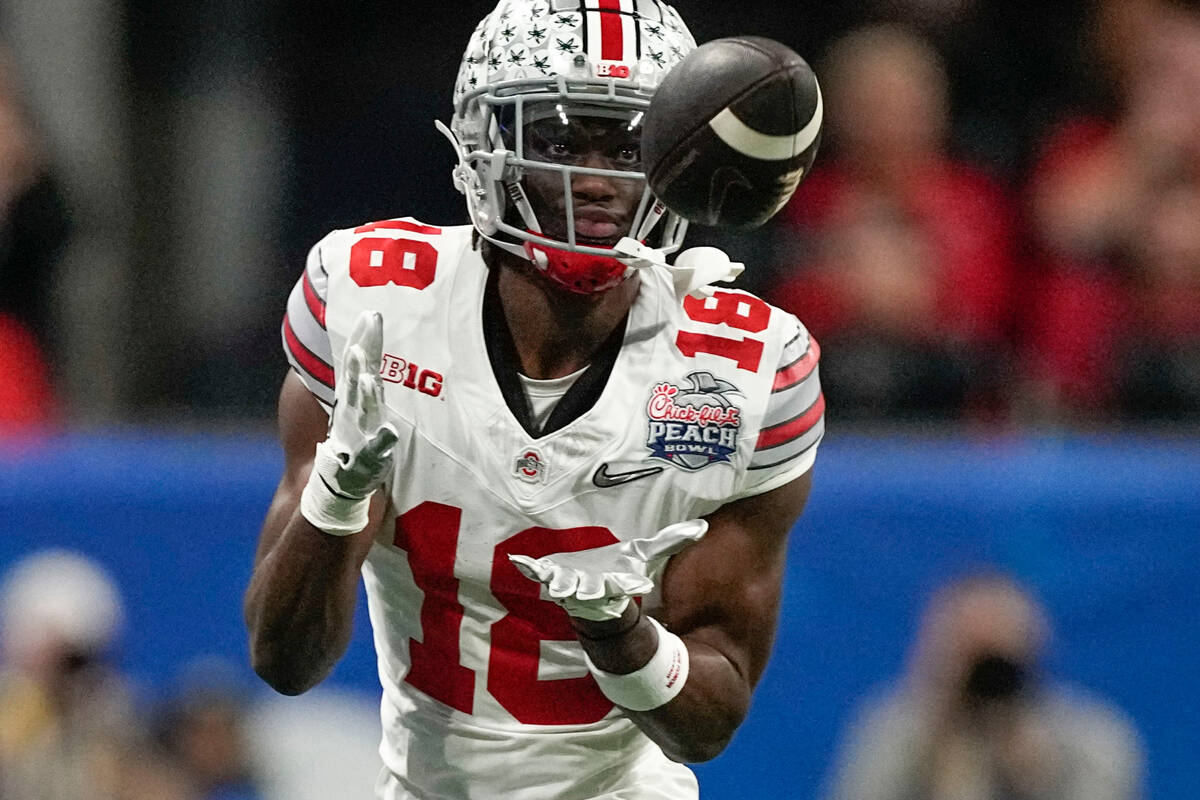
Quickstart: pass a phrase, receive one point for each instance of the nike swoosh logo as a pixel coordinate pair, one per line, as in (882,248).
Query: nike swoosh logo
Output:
(604,479)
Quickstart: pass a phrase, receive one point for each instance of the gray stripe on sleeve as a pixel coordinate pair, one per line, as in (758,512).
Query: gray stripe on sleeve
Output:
(786,404)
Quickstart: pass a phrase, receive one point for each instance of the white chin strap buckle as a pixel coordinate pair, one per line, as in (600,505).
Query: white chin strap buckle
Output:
(638,255)
(693,272)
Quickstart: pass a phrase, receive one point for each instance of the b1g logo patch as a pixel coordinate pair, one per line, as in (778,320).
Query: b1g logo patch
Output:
(693,425)
(406,373)
(612,69)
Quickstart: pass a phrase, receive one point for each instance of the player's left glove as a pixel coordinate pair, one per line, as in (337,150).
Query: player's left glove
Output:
(352,462)
(598,584)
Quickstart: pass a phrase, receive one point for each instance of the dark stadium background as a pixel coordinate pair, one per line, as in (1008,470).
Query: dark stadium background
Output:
(164,462)
(356,86)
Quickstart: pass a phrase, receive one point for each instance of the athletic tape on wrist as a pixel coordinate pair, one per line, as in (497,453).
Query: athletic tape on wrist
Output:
(595,610)
(331,512)
(653,685)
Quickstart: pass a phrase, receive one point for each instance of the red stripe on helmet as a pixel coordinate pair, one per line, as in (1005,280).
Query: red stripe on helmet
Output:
(612,36)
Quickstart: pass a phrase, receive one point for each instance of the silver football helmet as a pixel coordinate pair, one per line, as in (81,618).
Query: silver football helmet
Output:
(535,74)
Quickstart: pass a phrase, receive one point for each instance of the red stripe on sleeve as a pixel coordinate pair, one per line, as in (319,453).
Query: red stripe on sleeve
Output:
(398,225)
(312,363)
(612,37)
(799,369)
(315,304)
(792,428)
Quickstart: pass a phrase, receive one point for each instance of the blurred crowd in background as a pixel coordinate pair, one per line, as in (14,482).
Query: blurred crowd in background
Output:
(976,717)
(75,726)
(70,724)
(1067,291)
(1000,229)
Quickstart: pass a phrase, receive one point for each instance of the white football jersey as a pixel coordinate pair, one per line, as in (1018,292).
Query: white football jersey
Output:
(485,690)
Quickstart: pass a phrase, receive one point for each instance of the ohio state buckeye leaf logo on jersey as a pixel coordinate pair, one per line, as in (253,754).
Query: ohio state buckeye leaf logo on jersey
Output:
(694,424)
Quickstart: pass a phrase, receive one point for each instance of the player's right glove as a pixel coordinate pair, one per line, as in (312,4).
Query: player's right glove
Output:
(356,456)
(598,584)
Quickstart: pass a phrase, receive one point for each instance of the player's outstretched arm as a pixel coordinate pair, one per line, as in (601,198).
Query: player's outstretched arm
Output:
(299,607)
(721,597)
(688,685)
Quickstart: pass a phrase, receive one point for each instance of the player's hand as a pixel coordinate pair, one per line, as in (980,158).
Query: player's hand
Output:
(357,455)
(598,584)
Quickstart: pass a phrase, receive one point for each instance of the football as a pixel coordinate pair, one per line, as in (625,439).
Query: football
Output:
(731,131)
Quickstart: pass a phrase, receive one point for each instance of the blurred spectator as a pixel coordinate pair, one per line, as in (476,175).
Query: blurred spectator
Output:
(68,730)
(903,254)
(976,719)
(1113,327)
(1013,68)
(202,730)
(26,395)
(33,230)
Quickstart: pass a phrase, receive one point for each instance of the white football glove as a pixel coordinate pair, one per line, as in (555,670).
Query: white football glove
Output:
(598,584)
(355,458)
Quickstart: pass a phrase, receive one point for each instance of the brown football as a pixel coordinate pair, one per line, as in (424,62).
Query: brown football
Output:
(731,131)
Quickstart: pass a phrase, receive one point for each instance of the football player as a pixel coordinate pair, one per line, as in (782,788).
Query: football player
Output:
(565,471)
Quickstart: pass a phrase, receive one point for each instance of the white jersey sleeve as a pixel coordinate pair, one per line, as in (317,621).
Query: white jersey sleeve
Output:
(794,420)
(305,338)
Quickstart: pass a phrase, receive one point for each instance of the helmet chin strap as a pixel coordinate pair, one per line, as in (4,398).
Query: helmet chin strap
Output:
(652,217)
(694,270)
(516,193)
(582,273)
